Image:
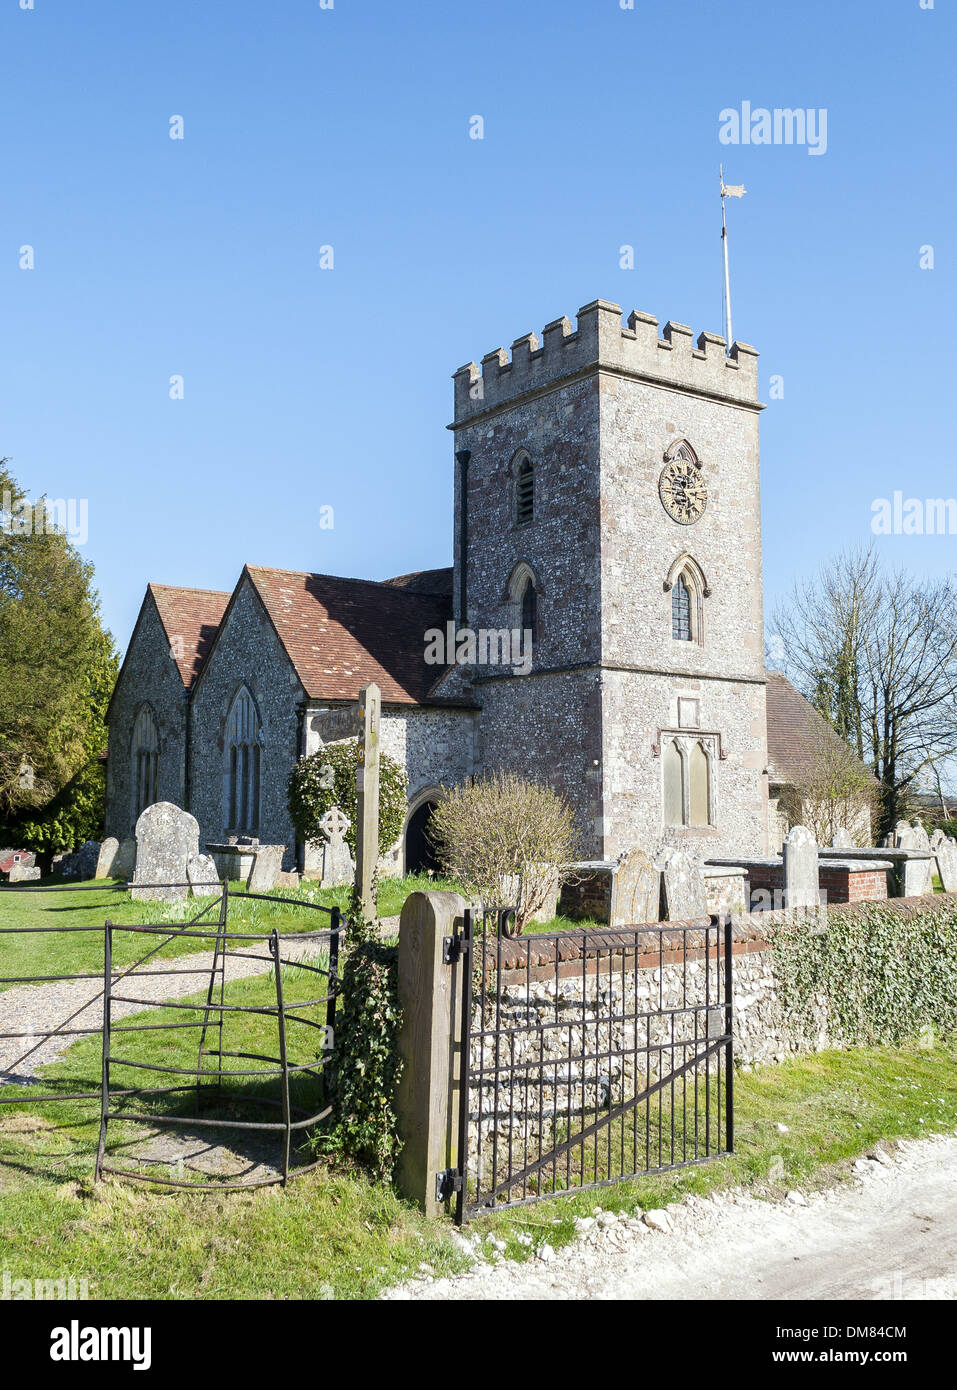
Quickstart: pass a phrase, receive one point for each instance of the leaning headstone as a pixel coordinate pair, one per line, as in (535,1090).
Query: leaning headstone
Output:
(683,883)
(636,896)
(266,869)
(166,839)
(106,859)
(337,865)
(843,839)
(801,882)
(201,874)
(947,864)
(937,839)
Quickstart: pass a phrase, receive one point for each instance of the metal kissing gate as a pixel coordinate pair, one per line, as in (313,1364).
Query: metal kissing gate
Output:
(589,1057)
(212,1076)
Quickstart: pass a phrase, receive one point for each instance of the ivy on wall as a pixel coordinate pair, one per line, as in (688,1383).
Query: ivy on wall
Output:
(327,778)
(883,974)
(366,1063)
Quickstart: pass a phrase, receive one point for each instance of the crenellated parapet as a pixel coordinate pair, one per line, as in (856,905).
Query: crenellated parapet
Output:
(600,341)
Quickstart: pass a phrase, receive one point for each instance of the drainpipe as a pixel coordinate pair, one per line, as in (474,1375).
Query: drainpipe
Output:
(462,459)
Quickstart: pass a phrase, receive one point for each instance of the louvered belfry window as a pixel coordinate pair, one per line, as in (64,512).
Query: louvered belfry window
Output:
(524,493)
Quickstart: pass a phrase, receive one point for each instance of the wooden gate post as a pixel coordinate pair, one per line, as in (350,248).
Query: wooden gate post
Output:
(427,1095)
(367,796)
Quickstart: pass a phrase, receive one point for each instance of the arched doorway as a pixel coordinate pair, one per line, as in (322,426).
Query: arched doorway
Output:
(419,853)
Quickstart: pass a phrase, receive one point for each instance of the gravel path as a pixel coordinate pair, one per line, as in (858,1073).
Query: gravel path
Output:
(26,1008)
(891,1233)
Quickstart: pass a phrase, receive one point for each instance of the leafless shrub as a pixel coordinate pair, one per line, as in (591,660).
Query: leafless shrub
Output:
(508,840)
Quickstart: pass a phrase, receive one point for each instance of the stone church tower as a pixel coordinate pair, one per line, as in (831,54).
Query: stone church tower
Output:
(607,497)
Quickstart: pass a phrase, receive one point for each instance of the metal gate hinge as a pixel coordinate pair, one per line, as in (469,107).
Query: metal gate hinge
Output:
(451,950)
(447,1183)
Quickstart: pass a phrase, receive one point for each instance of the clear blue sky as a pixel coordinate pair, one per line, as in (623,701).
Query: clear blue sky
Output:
(306,127)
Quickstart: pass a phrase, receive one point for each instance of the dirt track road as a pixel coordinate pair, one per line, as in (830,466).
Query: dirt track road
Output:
(888,1233)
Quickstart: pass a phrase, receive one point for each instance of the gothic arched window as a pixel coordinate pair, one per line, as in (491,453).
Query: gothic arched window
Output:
(699,777)
(681,611)
(522,593)
(674,784)
(689,588)
(530,610)
(145,760)
(242,772)
(686,773)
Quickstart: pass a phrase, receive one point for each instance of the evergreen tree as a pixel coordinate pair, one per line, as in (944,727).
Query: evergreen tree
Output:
(57,670)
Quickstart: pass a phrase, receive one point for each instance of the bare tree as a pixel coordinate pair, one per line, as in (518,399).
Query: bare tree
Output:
(509,840)
(833,791)
(876,654)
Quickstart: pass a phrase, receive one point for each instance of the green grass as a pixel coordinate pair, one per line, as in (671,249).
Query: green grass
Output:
(73,952)
(836,1106)
(69,952)
(333,1233)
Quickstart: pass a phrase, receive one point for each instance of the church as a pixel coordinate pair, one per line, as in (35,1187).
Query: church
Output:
(606,515)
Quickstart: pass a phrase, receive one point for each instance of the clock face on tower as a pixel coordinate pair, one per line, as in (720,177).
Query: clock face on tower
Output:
(682,490)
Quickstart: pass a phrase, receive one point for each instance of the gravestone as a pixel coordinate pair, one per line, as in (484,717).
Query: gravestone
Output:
(905,837)
(125,861)
(166,839)
(937,839)
(266,868)
(106,858)
(801,883)
(682,878)
(636,896)
(81,863)
(201,874)
(23,873)
(337,865)
(843,839)
(917,877)
(921,839)
(947,864)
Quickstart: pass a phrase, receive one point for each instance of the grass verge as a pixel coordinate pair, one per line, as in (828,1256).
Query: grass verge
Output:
(334,1234)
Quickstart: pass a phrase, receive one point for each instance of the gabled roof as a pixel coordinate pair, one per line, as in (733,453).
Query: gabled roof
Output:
(424,582)
(340,634)
(794,730)
(191,619)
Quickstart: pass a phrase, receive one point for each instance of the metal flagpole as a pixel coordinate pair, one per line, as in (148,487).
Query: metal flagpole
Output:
(727,191)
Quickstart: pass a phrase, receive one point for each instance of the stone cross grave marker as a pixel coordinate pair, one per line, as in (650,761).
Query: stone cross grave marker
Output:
(337,865)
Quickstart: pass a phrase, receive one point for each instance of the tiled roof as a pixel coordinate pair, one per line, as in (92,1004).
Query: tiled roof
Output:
(424,582)
(342,633)
(794,728)
(191,618)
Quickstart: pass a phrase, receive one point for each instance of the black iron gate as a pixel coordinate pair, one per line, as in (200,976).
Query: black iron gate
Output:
(590,1057)
(227,1086)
